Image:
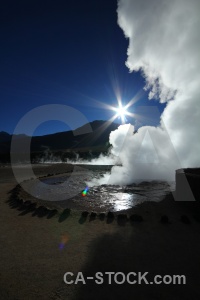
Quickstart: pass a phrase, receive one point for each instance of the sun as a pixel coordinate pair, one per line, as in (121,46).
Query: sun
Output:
(121,111)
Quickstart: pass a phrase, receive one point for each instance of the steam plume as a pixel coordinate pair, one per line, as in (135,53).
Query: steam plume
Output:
(164,43)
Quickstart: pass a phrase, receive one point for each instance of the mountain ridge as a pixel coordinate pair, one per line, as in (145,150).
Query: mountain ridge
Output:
(90,135)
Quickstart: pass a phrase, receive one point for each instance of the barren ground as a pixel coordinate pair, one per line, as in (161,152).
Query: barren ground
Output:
(32,265)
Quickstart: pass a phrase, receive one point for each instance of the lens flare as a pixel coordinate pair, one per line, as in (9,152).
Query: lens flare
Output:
(84,192)
(121,111)
(64,240)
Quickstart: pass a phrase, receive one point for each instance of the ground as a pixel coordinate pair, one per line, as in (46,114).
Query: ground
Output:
(33,264)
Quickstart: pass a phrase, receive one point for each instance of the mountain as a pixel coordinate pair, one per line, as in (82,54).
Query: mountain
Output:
(4,137)
(93,134)
(5,141)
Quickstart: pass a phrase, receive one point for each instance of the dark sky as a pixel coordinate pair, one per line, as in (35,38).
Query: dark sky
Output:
(63,52)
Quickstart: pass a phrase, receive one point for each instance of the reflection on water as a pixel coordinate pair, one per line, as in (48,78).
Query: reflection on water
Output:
(98,198)
(123,201)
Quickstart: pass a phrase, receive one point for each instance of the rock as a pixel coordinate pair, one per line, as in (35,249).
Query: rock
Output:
(42,211)
(102,216)
(52,213)
(93,215)
(110,215)
(85,214)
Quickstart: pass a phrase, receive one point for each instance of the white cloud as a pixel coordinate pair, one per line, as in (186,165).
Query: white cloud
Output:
(164,42)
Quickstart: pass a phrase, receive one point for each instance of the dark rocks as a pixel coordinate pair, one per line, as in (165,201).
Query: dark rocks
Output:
(27,203)
(85,214)
(52,213)
(110,215)
(102,216)
(50,174)
(93,216)
(83,217)
(41,211)
(65,214)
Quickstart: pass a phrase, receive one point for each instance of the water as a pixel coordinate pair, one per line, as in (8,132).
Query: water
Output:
(99,198)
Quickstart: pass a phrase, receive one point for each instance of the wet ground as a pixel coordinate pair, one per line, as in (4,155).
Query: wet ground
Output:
(65,191)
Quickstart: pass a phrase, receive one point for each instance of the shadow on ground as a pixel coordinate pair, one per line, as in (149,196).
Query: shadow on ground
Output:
(64,215)
(157,247)
(28,207)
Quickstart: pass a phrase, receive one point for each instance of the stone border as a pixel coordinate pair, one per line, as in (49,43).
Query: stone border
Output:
(25,207)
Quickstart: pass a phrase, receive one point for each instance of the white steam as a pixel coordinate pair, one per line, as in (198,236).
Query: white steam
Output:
(164,43)
(101,160)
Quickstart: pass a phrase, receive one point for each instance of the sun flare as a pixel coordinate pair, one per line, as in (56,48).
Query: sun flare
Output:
(121,111)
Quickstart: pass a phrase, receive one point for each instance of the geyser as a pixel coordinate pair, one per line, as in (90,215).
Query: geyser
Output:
(164,45)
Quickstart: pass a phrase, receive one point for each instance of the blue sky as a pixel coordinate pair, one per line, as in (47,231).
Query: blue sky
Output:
(64,52)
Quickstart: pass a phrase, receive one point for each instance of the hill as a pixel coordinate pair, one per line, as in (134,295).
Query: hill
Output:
(90,136)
